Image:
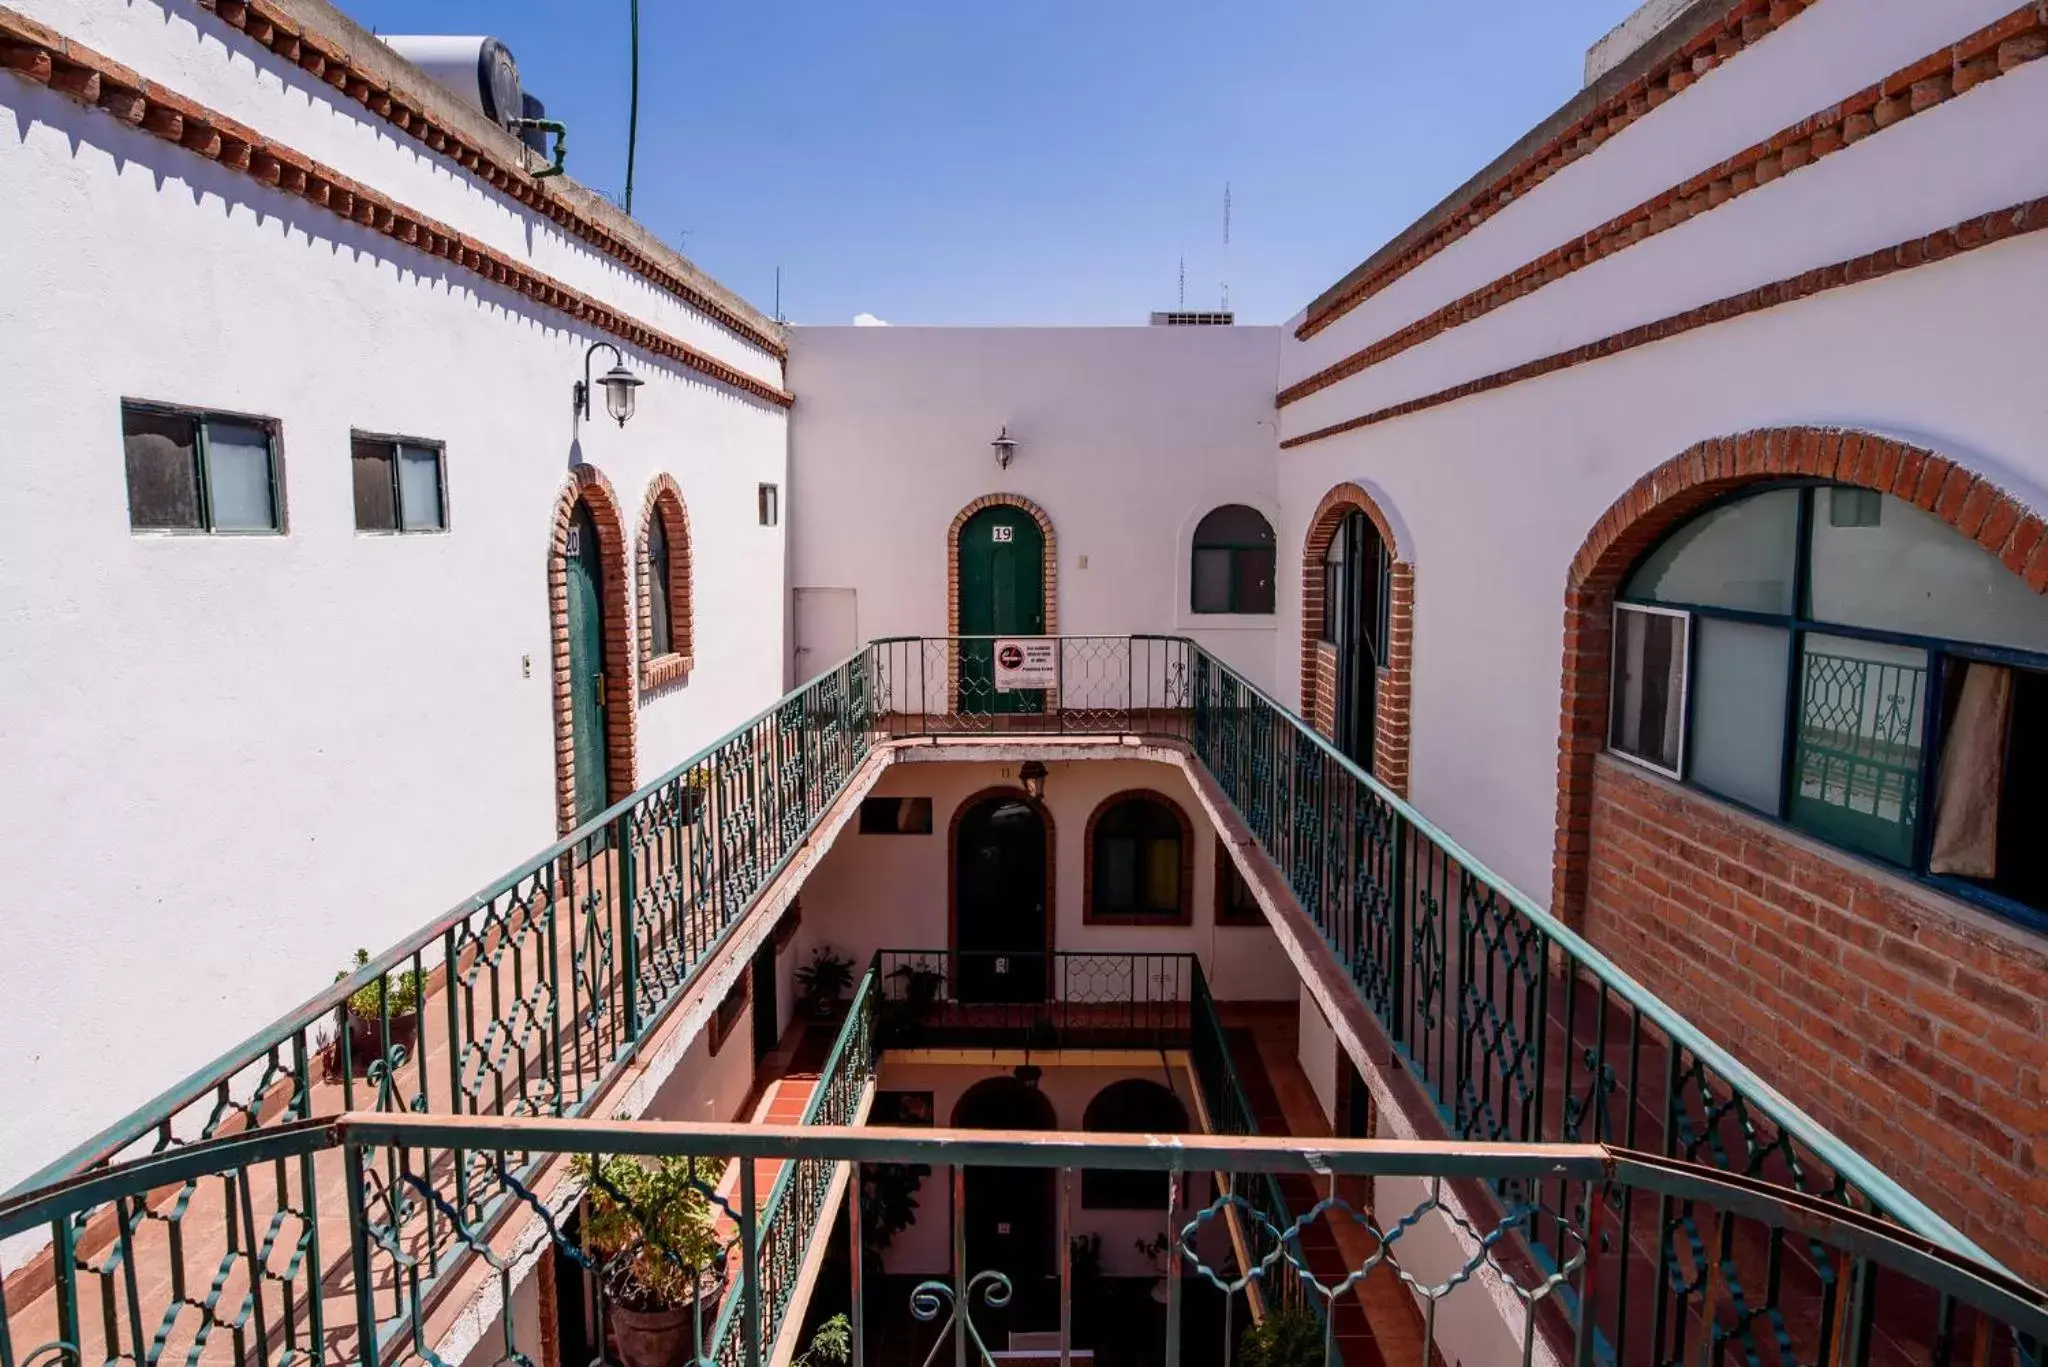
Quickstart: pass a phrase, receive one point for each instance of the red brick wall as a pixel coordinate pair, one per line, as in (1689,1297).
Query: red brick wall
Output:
(586,484)
(1911,1026)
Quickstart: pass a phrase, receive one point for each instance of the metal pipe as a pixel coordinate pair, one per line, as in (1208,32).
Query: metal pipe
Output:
(633,109)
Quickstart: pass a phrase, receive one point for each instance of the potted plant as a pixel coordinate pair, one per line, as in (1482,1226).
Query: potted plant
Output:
(888,1202)
(1289,1336)
(653,1233)
(825,980)
(831,1345)
(691,797)
(364,1013)
(1155,1249)
(920,986)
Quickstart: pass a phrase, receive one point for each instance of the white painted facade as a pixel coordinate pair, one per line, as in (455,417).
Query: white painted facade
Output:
(239,758)
(1497,492)
(1126,437)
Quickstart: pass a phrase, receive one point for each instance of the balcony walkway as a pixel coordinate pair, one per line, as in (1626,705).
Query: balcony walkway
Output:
(1378,1325)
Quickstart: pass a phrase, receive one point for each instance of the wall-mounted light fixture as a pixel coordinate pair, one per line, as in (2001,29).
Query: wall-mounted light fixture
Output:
(1005,447)
(619,384)
(1032,776)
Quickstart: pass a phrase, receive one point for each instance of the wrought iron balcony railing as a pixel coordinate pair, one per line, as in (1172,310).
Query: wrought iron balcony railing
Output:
(416,1185)
(950,998)
(530,998)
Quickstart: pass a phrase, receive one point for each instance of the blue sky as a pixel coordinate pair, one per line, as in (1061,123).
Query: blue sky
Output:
(1034,161)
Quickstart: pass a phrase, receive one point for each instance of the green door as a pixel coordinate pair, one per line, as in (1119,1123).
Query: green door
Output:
(1002,593)
(586,665)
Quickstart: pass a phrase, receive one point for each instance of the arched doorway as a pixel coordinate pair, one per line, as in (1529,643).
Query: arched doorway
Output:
(1001,587)
(1002,898)
(587,699)
(593,650)
(1357,633)
(1135,1105)
(1009,1219)
(1355,629)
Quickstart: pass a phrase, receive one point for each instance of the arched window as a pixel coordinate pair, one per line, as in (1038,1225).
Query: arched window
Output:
(1232,570)
(1843,661)
(667,644)
(1139,856)
(661,639)
(1133,1106)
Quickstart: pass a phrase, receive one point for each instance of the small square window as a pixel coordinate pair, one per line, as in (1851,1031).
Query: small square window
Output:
(1646,721)
(732,1009)
(399,485)
(199,472)
(770,498)
(896,816)
(1855,508)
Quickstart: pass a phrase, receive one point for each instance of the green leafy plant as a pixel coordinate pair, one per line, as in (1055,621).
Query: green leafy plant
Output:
(826,977)
(1288,1337)
(888,1201)
(1084,1255)
(656,1238)
(831,1345)
(402,990)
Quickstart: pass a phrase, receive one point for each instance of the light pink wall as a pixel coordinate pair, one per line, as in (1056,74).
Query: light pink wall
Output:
(890,891)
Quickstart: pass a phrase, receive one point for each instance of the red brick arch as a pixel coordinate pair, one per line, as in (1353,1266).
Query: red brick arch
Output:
(1318,662)
(1052,557)
(665,501)
(586,484)
(1681,486)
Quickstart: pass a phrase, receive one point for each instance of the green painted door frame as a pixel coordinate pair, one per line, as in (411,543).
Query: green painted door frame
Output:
(1002,593)
(587,700)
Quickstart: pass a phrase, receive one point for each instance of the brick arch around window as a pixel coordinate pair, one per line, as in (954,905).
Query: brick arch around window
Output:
(665,501)
(1319,660)
(1835,979)
(588,485)
(1184,913)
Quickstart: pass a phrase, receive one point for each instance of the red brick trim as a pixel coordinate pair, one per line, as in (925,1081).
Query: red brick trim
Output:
(1967,236)
(326,56)
(1052,881)
(38,54)
(1745,23)
(1665,497)
(587,485)
(1185,916)
(2018,38)
(1052,575)
(665,501)
(1318,664)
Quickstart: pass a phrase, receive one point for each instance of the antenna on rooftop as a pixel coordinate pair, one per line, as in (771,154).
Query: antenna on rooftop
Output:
(1226,246)
(1183,281)
(778,296)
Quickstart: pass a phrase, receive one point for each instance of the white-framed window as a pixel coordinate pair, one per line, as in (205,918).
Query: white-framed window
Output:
(1646,722)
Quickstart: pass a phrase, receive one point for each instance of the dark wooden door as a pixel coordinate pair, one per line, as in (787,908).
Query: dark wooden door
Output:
(1002,593)
(766,1037)
(999,902)
(1355,604)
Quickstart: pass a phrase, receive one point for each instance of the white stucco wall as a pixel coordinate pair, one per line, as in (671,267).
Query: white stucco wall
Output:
(875,892)
(251,755)
(1317,1051)
(1495,493)
(1126,437)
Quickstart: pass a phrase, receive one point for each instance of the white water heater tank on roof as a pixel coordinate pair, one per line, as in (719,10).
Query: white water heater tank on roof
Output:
(478,71)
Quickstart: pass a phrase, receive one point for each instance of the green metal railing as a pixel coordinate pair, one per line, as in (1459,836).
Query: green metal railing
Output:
(950,998)
(1266,1207)
(796,1214)
(1989,1319)
(537,992)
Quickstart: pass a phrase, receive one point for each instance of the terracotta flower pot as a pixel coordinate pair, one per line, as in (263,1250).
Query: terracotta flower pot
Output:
(661,1338)
(366,1039)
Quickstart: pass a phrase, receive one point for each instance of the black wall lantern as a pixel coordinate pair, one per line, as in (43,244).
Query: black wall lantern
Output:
(1005,447)
(1032,776)
(619,384)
